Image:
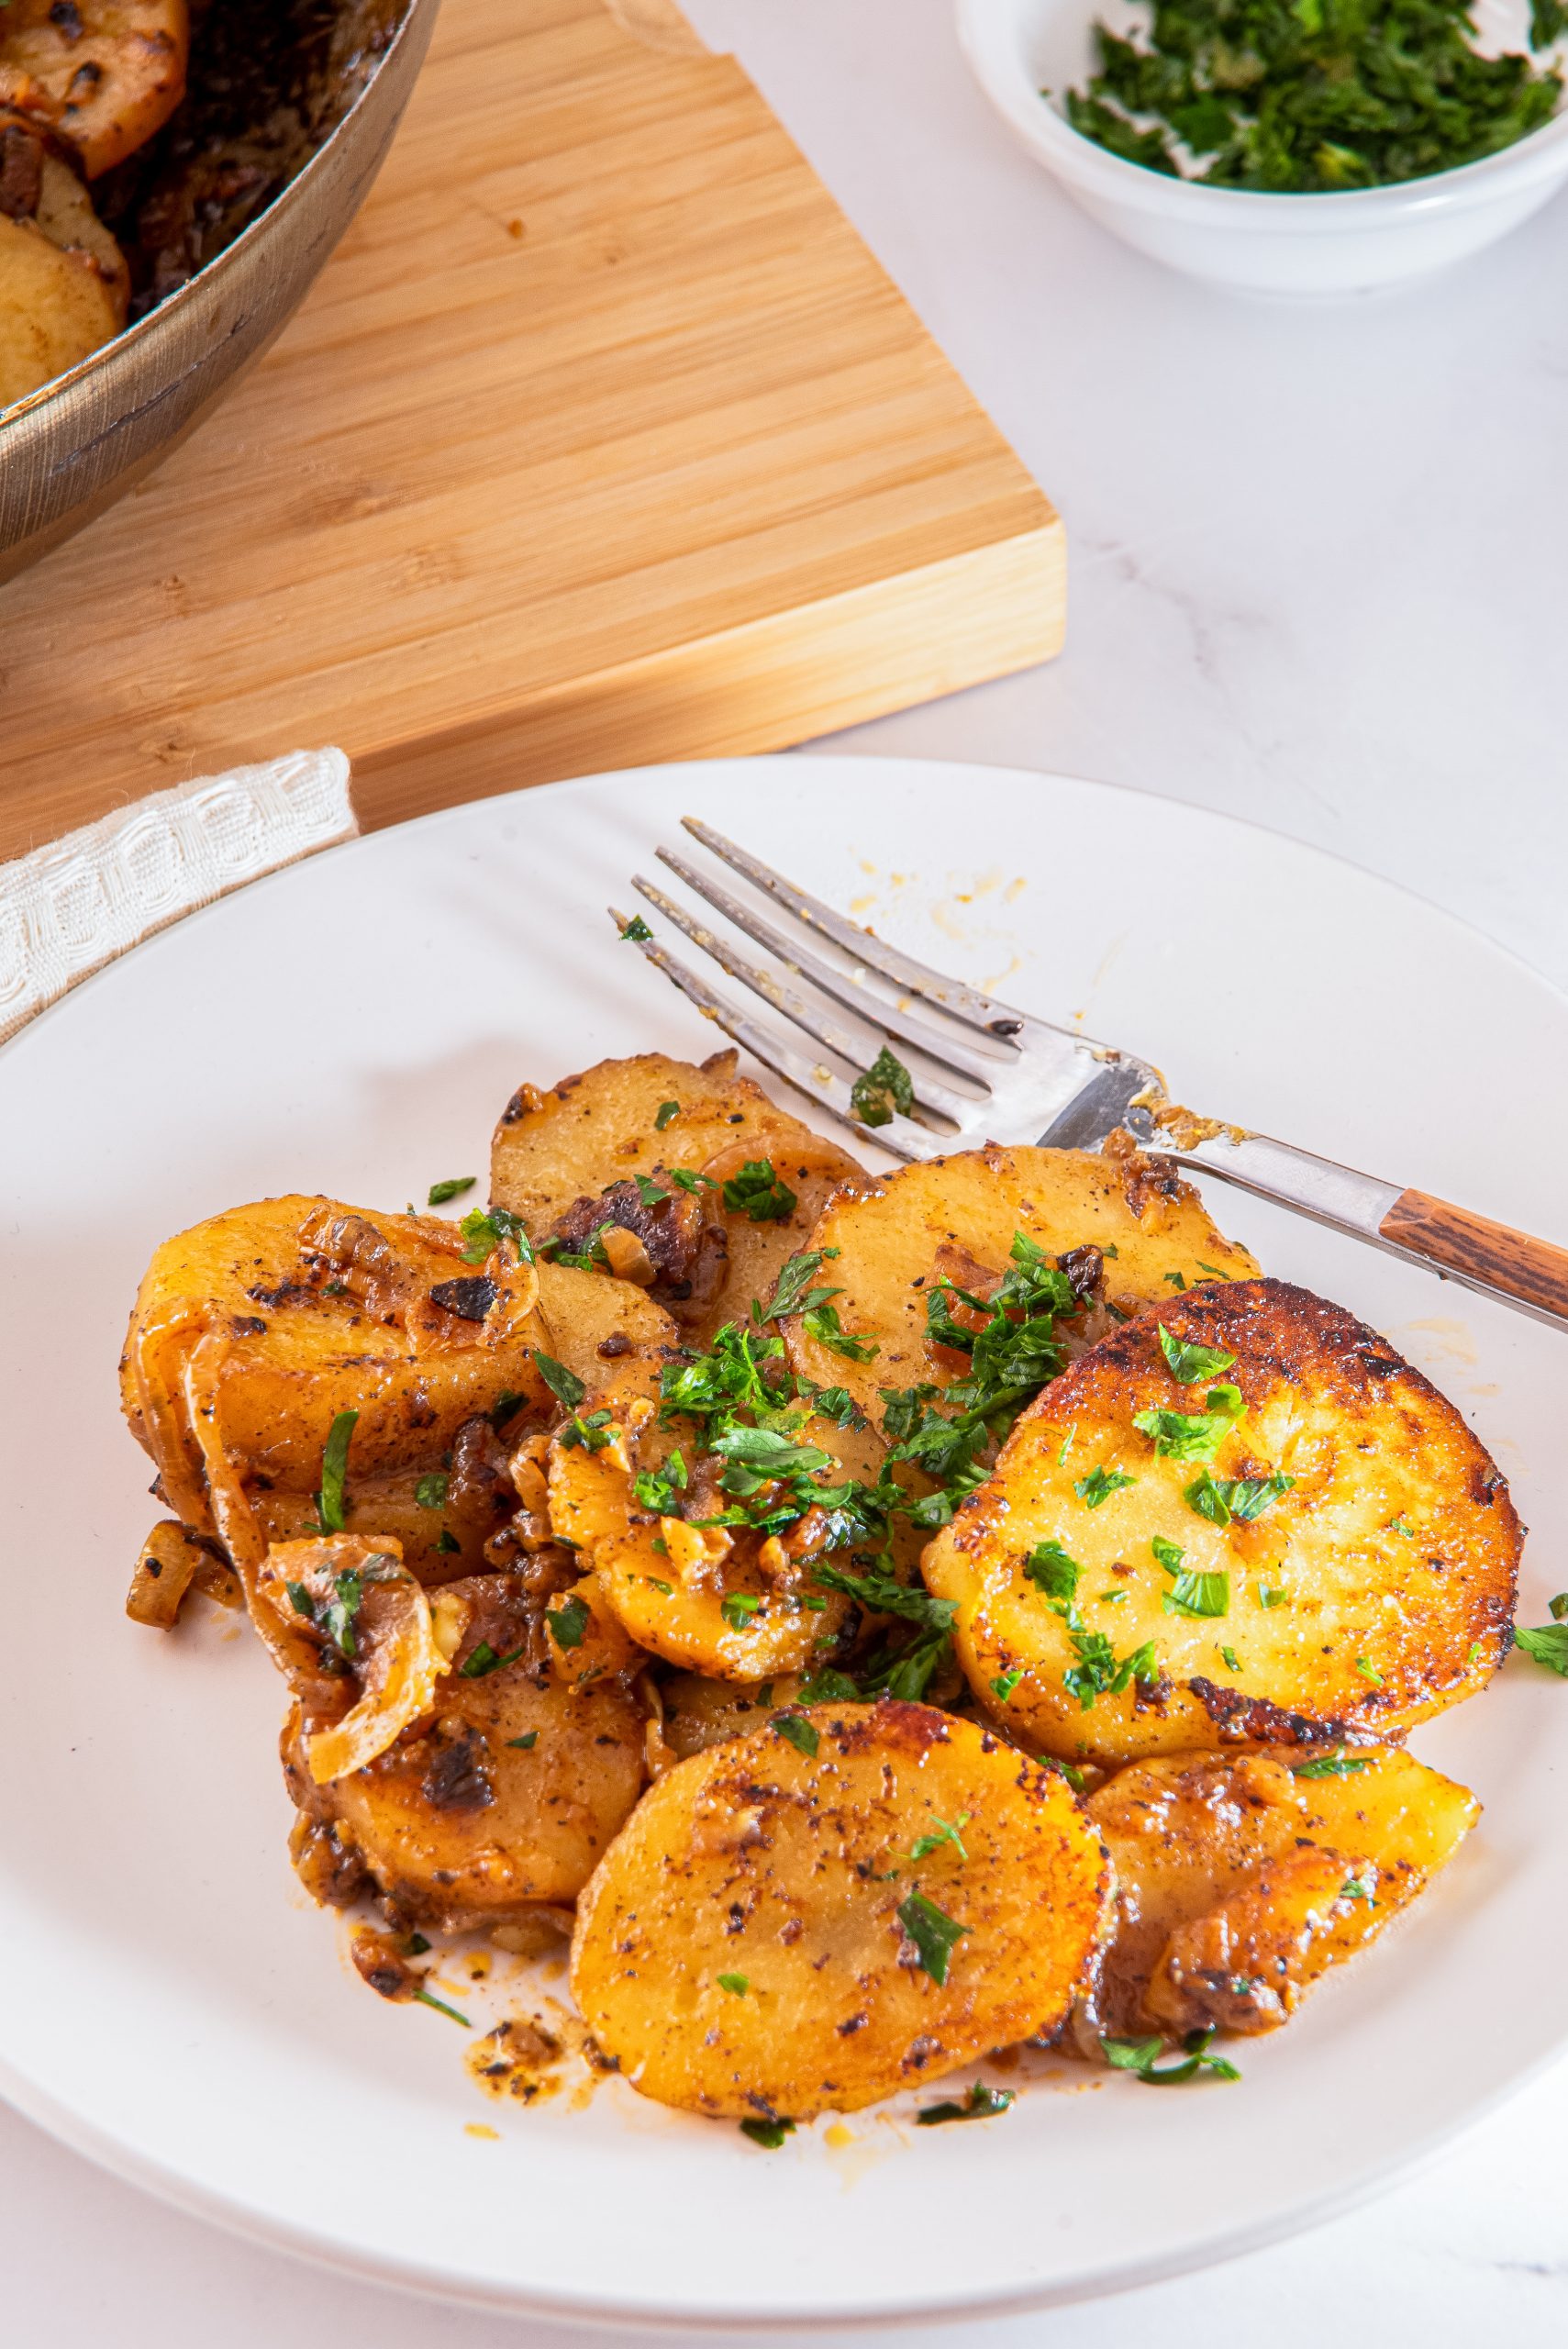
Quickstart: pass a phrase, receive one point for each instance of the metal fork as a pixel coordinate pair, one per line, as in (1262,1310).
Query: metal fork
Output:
(982,1071)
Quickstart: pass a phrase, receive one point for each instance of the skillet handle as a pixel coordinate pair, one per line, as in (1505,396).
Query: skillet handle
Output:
(1484,1255)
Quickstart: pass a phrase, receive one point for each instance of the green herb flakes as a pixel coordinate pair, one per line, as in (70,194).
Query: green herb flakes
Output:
(331,1501)
(1193,1435)
(637,931)
(484,1230)
(1221,1498)
(430,1492)
(1369,1671)
(663,1114)
(771,2134)
(758,1192)
(1312,96)
(1002,1688)
(1141,2058)
(452,1188)
(823,1324)
(441,2008)
(934,1933)
(1549,1645)
(484,1661)
(1095,1489)
(881,1089)
(1051,1571)
(982,2103)
(738,1607)
(569,1621)
(736,1983)
(525,1744)
(1328,1765)
(940,1832)
(799,1732)
(1190,1364)
(1198,1596)
(564,1384)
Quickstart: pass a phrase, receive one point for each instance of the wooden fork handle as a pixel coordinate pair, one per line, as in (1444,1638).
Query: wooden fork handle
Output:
(1482,1254)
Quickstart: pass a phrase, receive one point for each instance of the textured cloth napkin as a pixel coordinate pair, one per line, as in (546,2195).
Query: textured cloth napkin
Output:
(69,908)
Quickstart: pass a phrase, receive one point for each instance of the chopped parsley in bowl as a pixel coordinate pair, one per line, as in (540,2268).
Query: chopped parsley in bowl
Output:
(1314,97)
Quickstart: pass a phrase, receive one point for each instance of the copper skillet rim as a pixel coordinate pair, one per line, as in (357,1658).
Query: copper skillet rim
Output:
(287,199)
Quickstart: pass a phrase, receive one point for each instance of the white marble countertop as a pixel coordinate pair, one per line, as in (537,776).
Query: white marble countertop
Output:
(1317,582)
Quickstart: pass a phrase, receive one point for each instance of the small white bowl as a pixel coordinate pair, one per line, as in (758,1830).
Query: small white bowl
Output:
(1347,242)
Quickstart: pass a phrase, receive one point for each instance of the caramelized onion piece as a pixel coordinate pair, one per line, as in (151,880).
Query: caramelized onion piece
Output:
(388,1641)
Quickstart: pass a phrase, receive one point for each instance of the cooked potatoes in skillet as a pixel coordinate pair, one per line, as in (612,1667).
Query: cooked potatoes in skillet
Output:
(1242,1877)
(902,1618)
(1130,1225)
(796,1922)
(1240,1517)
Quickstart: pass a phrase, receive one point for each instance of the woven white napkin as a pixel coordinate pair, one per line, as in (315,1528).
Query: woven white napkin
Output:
(69,908)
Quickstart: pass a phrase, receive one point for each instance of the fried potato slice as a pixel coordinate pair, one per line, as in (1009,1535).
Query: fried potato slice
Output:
(592,1320)
(107,75)
(1376,1588)
(719,1601)
(55,309)
(789,1872)
(1239,1881)
(506,1794)
(568,1160)
(700,1713)
(253,1331)
(958,1216)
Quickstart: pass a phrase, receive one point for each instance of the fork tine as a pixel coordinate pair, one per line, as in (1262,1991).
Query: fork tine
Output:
(791,1006)
(901,1137)
(963,1003)
(874,1010)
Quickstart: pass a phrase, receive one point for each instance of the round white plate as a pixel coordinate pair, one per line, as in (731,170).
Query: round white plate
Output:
(174,2006)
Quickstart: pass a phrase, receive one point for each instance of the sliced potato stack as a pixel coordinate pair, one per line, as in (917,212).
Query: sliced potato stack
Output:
(845,1903)
(568,1161)
(253,1331)
(901,1234)
(471,1755)
(1145,1571)
(1241,1879)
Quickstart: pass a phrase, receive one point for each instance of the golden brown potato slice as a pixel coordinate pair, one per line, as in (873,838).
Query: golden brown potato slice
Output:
(505,1796)
(105,73)
(1241,1879)
(958,1216)
(724,1602)
(55,309)
(254,1330)
(592,1320)
(762,1940)
(700,1713)
(568,1161)
(1374,1588)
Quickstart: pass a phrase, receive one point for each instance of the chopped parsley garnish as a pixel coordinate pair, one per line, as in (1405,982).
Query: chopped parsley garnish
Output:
(484,1661)
(940,1832)
(484,1230)
(684,1179)
(759,1195)
(1168,1554)
(800,1733)
(636,930)
(736,1983)
(335,1615)
(738,1607)
(1221,1498)
(881,1089)
(1312,96)
(1198,1596)
(1095,1489)
(1190,1364)
(1328,1765)
(1141,2058)
(569,1623)
(447,1543)
(426,1999)
(564,1384)
(1369,1671)
(663,1114)
(934,1933)
(1049,1568)
(1360,1888)
(430,1492)
(1231,1661)
(1193,1435)
(823,1324)
(1270,1597)
(771,2134)
(792,1290)
(1177,1280)
(982,2103)
(525,1744)
(591,1433)
(651,1193)
(657,1489)
(1002,1688)
(331,1501)
(1098,1673)
(452,1188)
(1549,1645)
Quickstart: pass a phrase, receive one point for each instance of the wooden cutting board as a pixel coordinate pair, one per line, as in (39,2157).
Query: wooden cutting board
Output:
(602,439)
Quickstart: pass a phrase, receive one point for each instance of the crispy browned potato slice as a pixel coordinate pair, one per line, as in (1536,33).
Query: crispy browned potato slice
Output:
(55,309)
(592,1320)
(719,1601)
(1373,1590)
(1239,1881)
(253,1331)
(507,1794)
(958,1216)
(569,1160)
(786,1871)
(105,73)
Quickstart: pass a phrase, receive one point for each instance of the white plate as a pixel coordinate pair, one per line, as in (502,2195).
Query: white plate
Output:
(175,2007)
